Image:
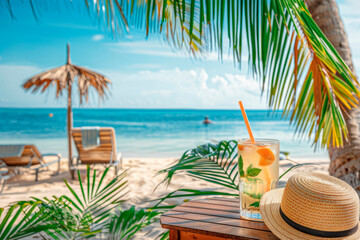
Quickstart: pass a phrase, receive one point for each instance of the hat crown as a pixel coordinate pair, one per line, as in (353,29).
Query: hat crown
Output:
(320,202)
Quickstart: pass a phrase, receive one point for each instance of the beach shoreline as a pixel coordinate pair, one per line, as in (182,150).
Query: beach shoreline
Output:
(150,133)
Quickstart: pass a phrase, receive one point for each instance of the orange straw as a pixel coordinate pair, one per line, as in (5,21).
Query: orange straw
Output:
(247,122)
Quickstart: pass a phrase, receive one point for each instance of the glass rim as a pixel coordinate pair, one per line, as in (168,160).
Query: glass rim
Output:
(260,140)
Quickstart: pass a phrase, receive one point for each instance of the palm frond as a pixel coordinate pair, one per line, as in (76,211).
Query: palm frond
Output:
(295,63)
(297,66)
(328,89)
(125,224)
(164,235)
(23,219)
(93,212)
(295,166)
(87,213)
(215,163)
(188,194)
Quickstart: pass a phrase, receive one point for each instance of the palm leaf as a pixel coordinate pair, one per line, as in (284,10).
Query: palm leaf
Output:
(215,163)
(93,212)
(297,66)
(22,220)
(86,214)
(188,194)
(295,63)
(125,224)
(295,166)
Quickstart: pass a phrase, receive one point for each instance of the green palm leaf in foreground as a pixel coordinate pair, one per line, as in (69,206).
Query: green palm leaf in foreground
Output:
(93,212)
(214,163)
(218,164)
(86,213)
(296,65)
(124,224)
(23,220)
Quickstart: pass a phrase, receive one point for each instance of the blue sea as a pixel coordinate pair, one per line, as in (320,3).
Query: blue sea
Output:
(149,132)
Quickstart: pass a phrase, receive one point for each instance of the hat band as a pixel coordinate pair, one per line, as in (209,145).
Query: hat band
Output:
(315,232)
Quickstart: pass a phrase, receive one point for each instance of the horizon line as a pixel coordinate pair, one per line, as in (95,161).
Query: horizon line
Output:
(141,108)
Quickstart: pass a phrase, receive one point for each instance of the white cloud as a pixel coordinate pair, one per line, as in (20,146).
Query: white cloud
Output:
(169,88)
(97,37)
(176,88)
(162,92)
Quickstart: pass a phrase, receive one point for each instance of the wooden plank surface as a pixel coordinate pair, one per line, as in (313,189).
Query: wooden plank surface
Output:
(204,205)
(196,236)
(216,217)
(236,222)
(216,201)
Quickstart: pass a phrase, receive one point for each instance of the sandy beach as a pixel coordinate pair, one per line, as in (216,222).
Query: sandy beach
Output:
(99,82)
(142,182)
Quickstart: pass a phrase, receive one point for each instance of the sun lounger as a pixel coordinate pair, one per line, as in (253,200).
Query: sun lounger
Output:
(96,151)
(5,174)
(24,157)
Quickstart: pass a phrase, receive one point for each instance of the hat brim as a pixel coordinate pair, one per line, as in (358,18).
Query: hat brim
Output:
(270,213)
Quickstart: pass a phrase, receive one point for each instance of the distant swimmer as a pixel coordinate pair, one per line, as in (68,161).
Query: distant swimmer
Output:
(207,121)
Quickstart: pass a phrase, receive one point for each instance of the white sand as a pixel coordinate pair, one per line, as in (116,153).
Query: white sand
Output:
(142,182)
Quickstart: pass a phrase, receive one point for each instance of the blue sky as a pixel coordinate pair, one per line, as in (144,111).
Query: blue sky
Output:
(145,73)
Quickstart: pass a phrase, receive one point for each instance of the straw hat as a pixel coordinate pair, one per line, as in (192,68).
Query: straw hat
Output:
(312,206)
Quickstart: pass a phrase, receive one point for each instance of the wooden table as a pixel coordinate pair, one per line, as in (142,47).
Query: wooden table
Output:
(210,219)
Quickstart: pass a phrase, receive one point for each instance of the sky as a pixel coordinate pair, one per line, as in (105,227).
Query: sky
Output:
(145,73)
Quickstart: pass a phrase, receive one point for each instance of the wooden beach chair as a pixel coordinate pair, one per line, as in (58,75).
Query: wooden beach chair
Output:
(5,174)
(105,153)
(18,158)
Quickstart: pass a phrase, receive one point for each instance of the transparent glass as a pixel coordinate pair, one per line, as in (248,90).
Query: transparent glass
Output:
(258,171)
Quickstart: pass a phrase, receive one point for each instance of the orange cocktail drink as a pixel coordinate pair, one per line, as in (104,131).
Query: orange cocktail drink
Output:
(258,171)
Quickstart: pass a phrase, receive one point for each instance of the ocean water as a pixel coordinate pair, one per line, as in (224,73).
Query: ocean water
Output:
(150,132)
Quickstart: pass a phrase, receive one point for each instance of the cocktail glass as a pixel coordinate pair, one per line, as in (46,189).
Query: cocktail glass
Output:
(259,173)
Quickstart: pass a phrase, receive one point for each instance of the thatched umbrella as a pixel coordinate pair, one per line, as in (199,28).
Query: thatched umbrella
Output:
(63,78)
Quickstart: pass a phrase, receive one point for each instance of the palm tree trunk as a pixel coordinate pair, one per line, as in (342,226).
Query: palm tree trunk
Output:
(345,161)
